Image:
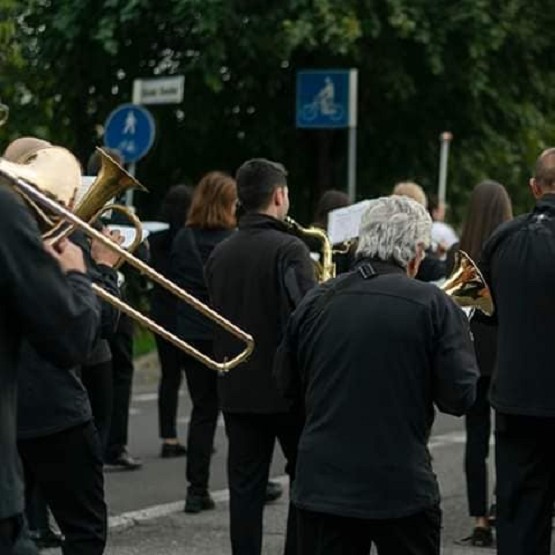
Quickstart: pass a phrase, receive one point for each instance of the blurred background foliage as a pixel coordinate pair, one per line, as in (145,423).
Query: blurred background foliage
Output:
(482,69)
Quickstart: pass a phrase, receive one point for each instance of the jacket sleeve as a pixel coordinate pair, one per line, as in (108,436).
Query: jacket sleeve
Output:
(286,368)
(58,314)
(297,271)
(455,370)
(107,278)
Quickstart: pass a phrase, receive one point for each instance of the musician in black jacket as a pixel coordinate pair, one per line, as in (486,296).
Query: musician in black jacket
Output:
(365,358)
(518,264)
(58,440)
(51,306)
(255,279)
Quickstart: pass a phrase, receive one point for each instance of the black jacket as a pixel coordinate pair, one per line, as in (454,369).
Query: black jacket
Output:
(519,264)
(163,305)
(190,252)
(255,279)
(52,398)
(58,314)
(366,359)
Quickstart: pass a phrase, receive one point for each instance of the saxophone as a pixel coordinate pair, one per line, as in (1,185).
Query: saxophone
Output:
(325,267)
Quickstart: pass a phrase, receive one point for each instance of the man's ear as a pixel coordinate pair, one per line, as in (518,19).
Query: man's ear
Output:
(279,196)
(535,188)
(414,264)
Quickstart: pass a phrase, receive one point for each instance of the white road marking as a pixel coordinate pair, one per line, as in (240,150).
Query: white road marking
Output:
(126,520)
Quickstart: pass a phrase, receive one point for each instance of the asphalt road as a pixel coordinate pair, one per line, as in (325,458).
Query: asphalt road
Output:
(159,488)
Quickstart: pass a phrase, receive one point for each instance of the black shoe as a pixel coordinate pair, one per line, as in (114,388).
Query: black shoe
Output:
(171,450)
(480,537)
(123,461)
(273,491)
(196,503)
(45,539)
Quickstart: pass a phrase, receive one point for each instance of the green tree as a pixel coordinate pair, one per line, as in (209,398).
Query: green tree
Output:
(479,68)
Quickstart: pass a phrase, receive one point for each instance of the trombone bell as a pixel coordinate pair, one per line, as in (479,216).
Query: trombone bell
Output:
(467,287)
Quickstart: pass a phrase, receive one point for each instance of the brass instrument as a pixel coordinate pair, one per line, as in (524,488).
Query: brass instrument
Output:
(112,180)
(325,268)
(467,287)
(27,181)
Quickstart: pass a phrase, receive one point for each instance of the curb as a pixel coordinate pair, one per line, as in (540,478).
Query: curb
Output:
(124,521)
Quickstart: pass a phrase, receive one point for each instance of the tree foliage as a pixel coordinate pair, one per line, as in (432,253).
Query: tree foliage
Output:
(479,68)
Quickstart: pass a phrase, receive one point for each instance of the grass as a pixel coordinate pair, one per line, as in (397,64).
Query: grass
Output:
(144,342)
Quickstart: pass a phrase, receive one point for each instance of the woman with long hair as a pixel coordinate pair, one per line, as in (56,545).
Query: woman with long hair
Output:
(211,220)
(163,310)
(489,207)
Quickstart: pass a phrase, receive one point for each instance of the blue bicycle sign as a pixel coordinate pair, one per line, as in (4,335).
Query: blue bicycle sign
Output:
(323,98)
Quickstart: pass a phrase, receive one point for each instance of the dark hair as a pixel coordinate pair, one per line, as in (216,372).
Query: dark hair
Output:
(544,171)
(433,203)
(93,165)
(213,202)
(257,179)
(330,200)
(175,206)
(489,207)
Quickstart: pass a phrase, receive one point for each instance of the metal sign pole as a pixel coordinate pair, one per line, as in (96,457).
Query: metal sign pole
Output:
(352,165)
(129,193)
(353,118)
(445,139)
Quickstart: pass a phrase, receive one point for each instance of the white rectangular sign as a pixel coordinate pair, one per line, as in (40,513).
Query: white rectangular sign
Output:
(343,223)
(162,90)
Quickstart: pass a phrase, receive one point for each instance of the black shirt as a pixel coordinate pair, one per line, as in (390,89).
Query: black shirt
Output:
(365,360)
(58,314)
(518,263)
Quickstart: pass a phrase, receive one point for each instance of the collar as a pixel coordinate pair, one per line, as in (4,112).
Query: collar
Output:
(380,266)
(546,203)
(255,220)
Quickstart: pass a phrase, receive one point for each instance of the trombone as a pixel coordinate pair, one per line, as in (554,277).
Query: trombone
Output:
(28,189)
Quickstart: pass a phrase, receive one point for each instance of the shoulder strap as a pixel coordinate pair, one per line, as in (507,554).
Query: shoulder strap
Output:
(364,271)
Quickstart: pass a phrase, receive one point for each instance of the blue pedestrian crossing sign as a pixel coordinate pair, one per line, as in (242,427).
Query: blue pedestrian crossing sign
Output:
(130,129)
(326,98)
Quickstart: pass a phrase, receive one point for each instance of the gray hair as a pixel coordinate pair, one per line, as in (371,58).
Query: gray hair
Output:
(392,228)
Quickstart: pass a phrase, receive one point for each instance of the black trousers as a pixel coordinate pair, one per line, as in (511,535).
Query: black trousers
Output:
(14,539)
(525,461)
(121,346)
(36,509)
(98,381)
(203,389)
(251,440)
(478,431)
(68,469)
(171,366)
(323,534)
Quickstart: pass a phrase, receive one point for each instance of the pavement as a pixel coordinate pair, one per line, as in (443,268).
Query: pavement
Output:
(146,506)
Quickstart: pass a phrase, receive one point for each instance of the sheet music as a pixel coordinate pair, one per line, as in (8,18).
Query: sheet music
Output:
(344,223)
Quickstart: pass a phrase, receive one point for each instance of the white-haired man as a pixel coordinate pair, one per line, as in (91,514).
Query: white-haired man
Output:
(366,356)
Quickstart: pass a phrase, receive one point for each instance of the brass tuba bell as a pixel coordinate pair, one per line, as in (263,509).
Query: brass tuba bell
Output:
(467,287)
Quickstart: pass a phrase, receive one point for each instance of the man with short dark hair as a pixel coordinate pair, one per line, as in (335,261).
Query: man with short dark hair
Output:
(255,279)
(365,358)
(519,265)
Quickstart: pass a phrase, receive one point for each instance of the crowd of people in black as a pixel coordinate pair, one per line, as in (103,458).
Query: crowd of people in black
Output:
(346,375)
